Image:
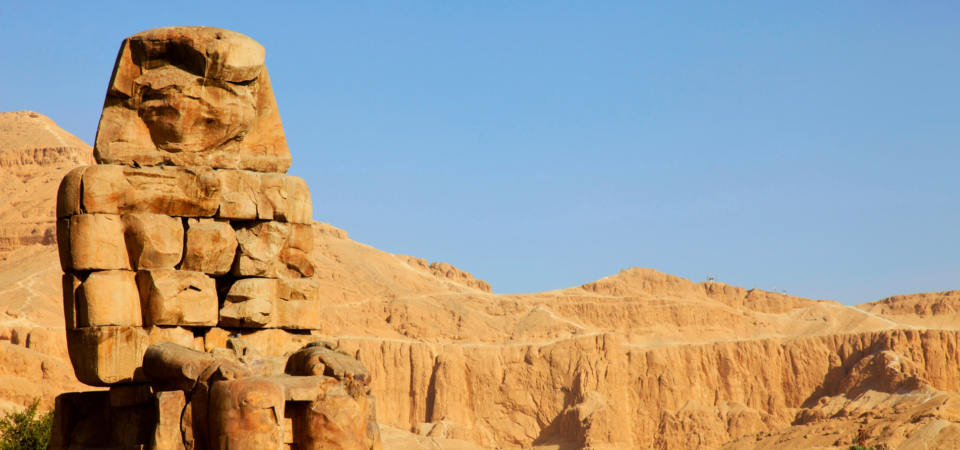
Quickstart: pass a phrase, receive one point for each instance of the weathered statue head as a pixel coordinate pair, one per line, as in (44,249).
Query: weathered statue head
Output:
(188,282)
(192,96)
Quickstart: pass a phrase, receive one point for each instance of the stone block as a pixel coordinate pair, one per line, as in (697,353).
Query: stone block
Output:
(240,196)
(105,356)
(68,195)
(268,342)
(272,303)
(154,241)
(249,303)
(169,409)
(335,420)
(211,247)
(103,188)
(297,304)
(171,191)
(246,414)
(109,298)
(286,198)
(266,196)
(178,335)
(92,242)
(302,388)
(273,250)
(177,297)
(167,361)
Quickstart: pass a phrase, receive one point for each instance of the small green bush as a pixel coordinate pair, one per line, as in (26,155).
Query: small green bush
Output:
(26,430)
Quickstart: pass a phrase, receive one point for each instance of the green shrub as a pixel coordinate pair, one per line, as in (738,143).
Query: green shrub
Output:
(26,430)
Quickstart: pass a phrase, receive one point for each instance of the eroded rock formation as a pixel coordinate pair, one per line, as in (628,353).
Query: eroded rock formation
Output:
(186,236)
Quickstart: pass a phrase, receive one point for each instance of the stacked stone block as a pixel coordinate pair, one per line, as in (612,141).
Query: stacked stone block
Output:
(187,271)
(169,252)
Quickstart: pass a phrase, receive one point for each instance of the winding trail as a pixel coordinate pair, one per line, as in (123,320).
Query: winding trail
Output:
(28,285)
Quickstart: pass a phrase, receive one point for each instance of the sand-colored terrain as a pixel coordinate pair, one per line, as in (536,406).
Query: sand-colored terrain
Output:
(639,359)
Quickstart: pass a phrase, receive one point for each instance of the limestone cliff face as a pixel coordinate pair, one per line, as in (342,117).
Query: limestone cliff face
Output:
(597,392)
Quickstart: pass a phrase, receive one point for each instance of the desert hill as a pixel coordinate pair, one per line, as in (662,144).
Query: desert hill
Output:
(639,359)
(34,155)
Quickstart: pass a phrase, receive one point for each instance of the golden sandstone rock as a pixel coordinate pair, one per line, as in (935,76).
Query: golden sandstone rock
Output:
(192,96)
(274,250)
(182,239)
(177,297)
(211,247)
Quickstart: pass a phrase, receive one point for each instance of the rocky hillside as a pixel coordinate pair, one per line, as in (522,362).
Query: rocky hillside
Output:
(639,359)
(34,155)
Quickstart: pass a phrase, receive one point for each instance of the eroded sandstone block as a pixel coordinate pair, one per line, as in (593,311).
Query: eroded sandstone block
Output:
(171,362)
(269,341)
(240,197)
(302,388)
(215,79)
(102,356)
(68,195)
(274,250)
(249,303)
(178,335)
(92,242)
(108,298)
(174,191)
(286,198)
(272,303)
(154,241)
(169,407)
(246,414)
(335,420)
(177,297)
(102,189)
(192,191)
(211,247)
(266,196)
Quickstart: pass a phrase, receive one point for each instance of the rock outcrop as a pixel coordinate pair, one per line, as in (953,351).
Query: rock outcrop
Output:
(176,235)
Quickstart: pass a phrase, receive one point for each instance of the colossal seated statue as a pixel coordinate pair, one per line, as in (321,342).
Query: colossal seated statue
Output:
(187,271)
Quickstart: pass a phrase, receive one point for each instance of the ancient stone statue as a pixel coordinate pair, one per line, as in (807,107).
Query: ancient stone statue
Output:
(187,270)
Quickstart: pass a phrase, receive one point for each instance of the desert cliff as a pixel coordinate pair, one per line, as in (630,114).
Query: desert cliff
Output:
(639,359)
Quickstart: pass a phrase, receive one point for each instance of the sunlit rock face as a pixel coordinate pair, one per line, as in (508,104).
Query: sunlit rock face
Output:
(186,254)
(191,96)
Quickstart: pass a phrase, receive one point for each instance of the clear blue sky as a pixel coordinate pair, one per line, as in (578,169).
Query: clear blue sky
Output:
(809,146)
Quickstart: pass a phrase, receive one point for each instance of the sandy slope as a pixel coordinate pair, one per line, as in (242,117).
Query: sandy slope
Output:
(639,359)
